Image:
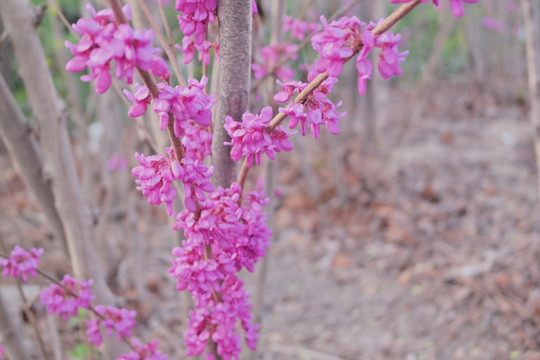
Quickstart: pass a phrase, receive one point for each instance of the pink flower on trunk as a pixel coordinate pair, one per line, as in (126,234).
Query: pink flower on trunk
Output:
(21,263)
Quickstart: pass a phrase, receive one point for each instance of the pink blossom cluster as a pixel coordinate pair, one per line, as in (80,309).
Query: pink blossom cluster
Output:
(271,55)
(298,28)
(121,321)
(140,351)
(67,300)
(156,173)
(196,14)
(249,138)
(317,110)
(197,142)
(456,6)
(183,102)
(102,41)
(341,38)
(21,263)
(222,238)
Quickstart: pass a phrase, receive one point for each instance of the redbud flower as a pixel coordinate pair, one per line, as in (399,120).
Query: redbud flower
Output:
(141,99)
(456,6)
(390,58)
(317,110)
(185,102)
(67,303)
(103,41)
(196,14)
(249,138)
(335,43)
(298,28)
(155,175)
(270,56)
(121,321)
(160,69)
(197,142)
(238,236)
(21,263)
(143,352)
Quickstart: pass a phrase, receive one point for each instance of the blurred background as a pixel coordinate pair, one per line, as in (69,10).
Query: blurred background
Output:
(413,234)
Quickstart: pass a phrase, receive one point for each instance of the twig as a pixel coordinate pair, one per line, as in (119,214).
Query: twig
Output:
(167,49)
(283,59)
(27,309)
(390,21)
(69,292)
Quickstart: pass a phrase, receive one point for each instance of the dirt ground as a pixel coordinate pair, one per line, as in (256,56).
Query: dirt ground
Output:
(434,253)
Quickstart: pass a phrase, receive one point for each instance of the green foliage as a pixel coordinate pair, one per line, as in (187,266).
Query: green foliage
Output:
(80,352)
(81,316)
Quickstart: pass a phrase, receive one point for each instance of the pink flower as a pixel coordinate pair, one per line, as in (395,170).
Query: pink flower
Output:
(335,43)
(21,263)
(250,138)
(155,175)
(390,58)
(493,24)
(456,6)
(67,303)
(298,28)
(271,55)
(317,110)
(186,103)
(143,352)
(121,321)
(141,99)
(102,41)
(197,142)
(237,236)
(196,179)
(117,162)
(196,14)
(160,69)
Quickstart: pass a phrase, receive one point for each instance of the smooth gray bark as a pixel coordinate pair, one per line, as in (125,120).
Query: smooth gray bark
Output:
(48,109)
(10,335)
(235,29)
(24,153)
(532,44)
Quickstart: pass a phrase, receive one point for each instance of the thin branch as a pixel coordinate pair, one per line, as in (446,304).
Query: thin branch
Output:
(286,57)
(60,14)
(168,50)
(390,21)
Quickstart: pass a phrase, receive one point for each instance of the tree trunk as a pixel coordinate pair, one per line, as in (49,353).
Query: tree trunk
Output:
(48,109)
(234,18)
(10,335)
(24,153)
(532,41)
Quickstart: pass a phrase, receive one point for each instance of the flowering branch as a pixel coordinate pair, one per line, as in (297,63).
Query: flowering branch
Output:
(384,26)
